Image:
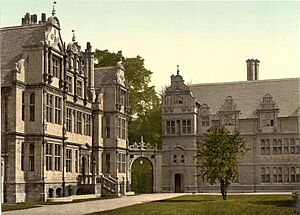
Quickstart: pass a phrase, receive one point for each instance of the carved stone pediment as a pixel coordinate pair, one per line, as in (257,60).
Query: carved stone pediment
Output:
(229,105)
(267,103)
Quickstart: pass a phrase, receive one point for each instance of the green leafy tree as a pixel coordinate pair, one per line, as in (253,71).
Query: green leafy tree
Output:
(144,116)
(219,155)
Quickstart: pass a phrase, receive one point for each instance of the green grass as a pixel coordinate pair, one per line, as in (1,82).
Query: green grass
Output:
(213,205)
(18,206)
(26,205)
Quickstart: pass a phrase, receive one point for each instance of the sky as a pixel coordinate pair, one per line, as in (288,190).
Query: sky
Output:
(210,41)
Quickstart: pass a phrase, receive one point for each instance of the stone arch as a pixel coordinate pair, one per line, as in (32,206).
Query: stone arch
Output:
(50,192)
(146,151)
(58,192)
(142,177)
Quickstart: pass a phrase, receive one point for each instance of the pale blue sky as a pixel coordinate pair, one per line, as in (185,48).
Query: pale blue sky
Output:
(209,40)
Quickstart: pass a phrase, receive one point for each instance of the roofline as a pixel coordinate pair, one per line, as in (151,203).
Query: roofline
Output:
(105,68)
(21,26)
(244,82)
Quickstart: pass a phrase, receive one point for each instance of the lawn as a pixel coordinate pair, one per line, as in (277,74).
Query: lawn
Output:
(214,205)
(26,205)
(18,206)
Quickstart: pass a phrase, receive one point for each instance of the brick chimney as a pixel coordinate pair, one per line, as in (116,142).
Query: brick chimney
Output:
(252,69)
(43,17)
(29,19)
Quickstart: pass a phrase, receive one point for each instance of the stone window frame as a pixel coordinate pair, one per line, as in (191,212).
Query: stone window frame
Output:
(229,119)
(286,148)
(56,66)
(182,158)
(286,176)
(265,175)
(277,147)
(229,112)
(57,110)
(49,156)
(57,157)
(186,126)
(23,106)
(121,128)
(295,172)
(267,112)
(265,146)
(69,120)
(32,107)
(78,122)
(79,88)
(277,175)
(205,121)
(170,127)
(31,156)
(68,160)
(122,97)
(174,159)
(294,146)
(267,119)
(178,99)
(70,84)
(178,156)
(49,107)
(23,156)
(107,127)
(76,163)
(87,130)
(121,162)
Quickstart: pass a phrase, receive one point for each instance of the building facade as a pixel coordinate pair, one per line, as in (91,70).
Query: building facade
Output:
(63,122)
(265,112)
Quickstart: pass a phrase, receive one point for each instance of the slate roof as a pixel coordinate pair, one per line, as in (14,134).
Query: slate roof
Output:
(249,94)
(12,41)
(105,75)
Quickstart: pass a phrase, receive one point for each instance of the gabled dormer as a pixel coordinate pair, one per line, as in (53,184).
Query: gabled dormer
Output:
(204,117)
(267,112)
(229,114)
(178,97)
(54,51)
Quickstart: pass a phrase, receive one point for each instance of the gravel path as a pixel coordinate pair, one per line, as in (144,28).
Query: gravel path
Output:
(93,206)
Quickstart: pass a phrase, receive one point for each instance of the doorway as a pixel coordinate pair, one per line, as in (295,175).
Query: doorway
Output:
(142,176)
(178,183)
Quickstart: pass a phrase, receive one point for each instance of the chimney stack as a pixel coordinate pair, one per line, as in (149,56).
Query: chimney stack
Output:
(27,19)
(34,19)
(252,69)
(43,17)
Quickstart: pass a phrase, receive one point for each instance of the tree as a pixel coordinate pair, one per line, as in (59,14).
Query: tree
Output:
(144,116)
(219,155)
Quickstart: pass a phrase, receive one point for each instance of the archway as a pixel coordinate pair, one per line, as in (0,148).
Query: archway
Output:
(51,192)
(58,192)
(142,176)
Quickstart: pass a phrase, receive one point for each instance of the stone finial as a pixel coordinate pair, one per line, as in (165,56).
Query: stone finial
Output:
(178,70)
(73,38)
(53,9)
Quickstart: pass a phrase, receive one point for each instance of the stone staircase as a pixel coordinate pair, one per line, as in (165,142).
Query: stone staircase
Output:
(109,186)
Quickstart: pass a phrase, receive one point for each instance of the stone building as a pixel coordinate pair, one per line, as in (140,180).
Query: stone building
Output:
(265,112)
(63,122)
